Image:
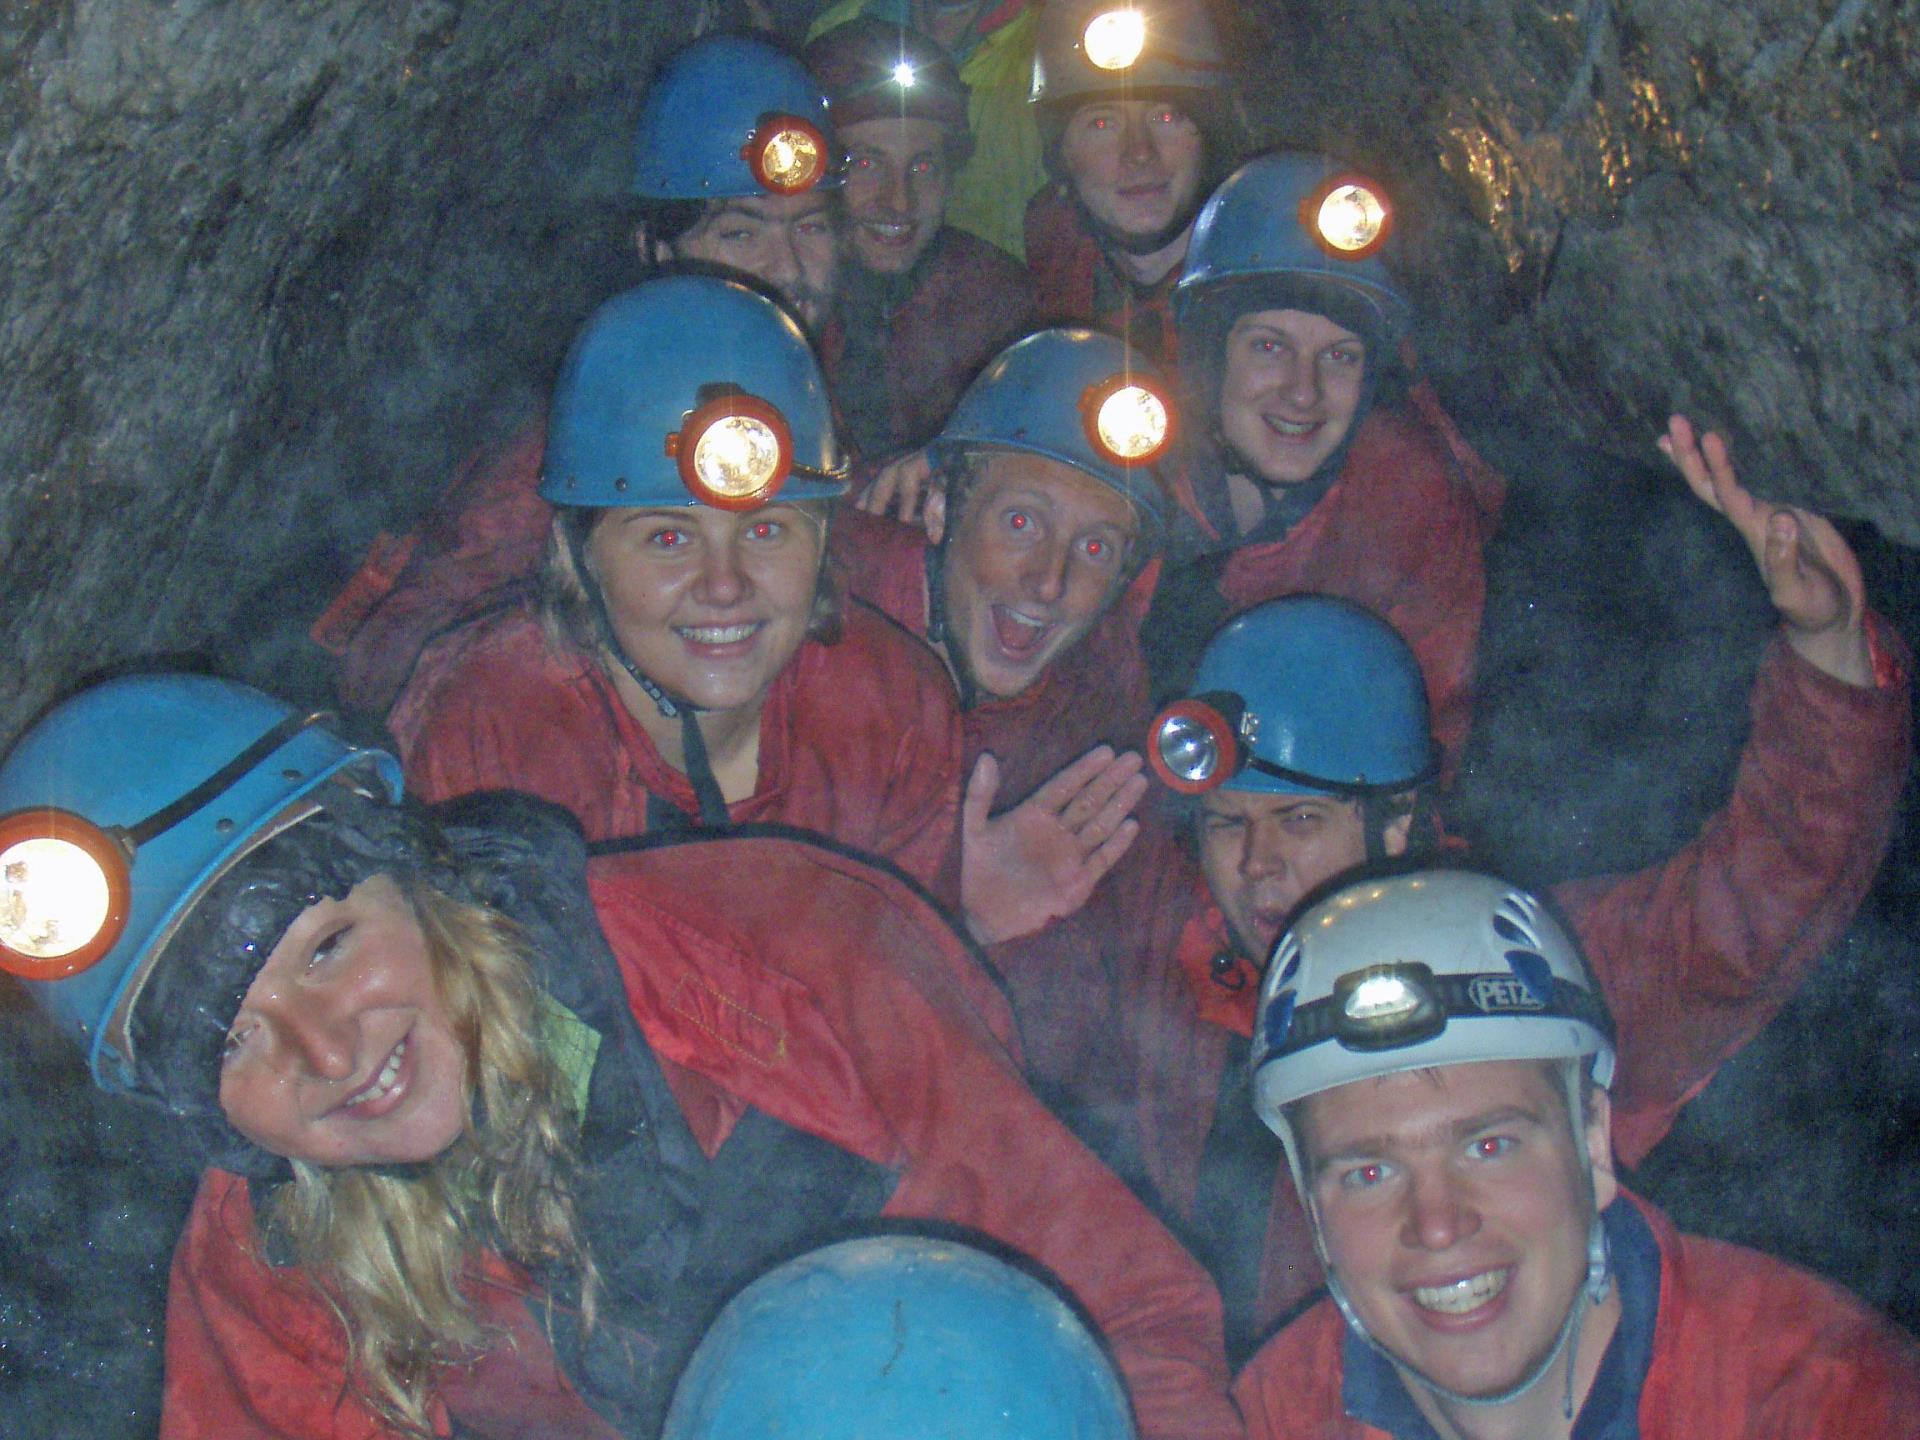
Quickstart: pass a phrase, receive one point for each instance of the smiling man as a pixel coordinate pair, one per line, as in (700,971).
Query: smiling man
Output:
(1435,1058)
(1137,124)
(922,305)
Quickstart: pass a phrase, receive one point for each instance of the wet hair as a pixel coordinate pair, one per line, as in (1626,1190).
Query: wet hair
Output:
(392,1249)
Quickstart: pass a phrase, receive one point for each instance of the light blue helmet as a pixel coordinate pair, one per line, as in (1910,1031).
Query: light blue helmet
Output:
(1079,397)
(1296,232)
(711,115)
(161,782)
(690,389)
(898,1338)
(1306,695)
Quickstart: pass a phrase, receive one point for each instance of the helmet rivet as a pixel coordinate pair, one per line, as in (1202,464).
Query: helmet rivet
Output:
(223,825)
(620,484)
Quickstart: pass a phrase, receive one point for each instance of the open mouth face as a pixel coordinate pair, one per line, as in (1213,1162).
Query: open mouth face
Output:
(896,189)
(1290,388)
(341,1052)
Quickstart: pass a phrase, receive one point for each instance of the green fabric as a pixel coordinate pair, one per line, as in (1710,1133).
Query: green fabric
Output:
(990,193)
(571,1044)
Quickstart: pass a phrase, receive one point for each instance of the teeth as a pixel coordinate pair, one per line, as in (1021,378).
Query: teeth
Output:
(1463,1296)
(716,634)
(1020,619)
(1290,427)
(384,1081)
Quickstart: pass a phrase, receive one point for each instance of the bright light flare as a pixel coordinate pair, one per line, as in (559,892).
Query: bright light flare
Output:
(1114,39)
(787,155)
(63,894)
(1350,219)
(734,453)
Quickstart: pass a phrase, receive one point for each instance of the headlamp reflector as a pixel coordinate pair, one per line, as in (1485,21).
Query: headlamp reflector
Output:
(1385,1007)
(1128,421)
(786,154)
(63,893)
(903,75)
(734,452)
(1193,748)
(1114,39)
(1349,217)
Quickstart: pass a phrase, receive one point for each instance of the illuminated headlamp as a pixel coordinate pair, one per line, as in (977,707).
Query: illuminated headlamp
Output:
(1114,39)
(1385,1007)
(734,452)
(903,75)
(1127,420)
(786,154)
(1199,743)
(1348,217)
(63,893)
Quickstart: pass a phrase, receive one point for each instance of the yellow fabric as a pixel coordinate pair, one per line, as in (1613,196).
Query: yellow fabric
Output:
(991,191)
(571,1044)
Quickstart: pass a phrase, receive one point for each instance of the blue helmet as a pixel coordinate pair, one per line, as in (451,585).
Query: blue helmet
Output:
(1305,695)
(1295,232)
(690,389)
(898,1338)
(730,117)
(155,784)
(1079,397)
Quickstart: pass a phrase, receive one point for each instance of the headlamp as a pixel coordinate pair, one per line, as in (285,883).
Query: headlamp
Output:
(903,75)
(1114,39)
(1196,745)
(1128,421)
(63,893)
(1385,1007)
(786,154)
(1348,217)
(734,453)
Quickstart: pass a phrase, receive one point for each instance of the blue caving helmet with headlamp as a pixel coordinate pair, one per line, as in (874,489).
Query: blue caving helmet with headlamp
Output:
(703,110)
(166,780)
(1258,243)
(1081,398)
(1305,695)
(898,1337)
(650,362)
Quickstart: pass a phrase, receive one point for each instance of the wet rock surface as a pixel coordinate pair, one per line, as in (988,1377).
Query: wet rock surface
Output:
(272,270)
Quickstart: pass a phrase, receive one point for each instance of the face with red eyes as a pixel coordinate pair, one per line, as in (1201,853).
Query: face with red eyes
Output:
(898,174)
(709,604)
(1454,1207)
(342,1053)
(1289,390)
(1134,164)
(1039,553)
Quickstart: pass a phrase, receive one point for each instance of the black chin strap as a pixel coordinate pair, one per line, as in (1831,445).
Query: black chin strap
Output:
(706,789)
(936,563)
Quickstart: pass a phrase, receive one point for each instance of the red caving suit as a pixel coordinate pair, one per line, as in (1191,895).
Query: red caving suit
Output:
(770,978)
(1074,285)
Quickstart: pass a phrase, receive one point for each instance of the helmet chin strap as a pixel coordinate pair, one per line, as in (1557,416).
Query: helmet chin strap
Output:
(706,788)
(936,564)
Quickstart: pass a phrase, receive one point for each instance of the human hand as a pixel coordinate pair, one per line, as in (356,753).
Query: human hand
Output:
(1041,859)
(1810,572)
(900,485)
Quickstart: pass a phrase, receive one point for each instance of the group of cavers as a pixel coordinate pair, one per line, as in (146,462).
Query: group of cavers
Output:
(908,893)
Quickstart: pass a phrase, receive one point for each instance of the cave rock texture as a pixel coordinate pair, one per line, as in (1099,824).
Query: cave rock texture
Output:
(272,269)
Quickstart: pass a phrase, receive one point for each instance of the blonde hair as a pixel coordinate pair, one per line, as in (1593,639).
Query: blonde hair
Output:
(389,1251)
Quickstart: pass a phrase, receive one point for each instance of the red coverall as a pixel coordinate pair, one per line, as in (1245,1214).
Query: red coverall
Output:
(859,740)
(1694,955)
(970,300)
(1745,1347)
(1095,693)
(1074,285)
(827,999)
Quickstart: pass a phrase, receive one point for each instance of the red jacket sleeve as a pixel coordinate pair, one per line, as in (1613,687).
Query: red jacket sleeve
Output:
(828,1001)
(1697,954)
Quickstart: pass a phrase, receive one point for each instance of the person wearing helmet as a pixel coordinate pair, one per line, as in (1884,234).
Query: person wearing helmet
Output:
(921,305)
(490,1128)
(1316,463)
(689,659)
(1137,121)
(731,171)
(1436,1062)
(1019,579)
(1306,749)
(885,1336)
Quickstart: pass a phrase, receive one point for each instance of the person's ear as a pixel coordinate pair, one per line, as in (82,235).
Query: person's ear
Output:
(653,252)
(1599,1136)
(1397,832)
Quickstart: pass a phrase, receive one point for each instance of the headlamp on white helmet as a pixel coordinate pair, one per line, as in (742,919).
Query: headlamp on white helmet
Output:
(1113,39)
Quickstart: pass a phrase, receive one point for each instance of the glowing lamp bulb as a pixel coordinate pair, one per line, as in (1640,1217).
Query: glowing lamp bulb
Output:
(903,75)
(1114,39)
(734,452)
(1132,423)
(1382,997)
(787,155)
(1351,219)
(63,894)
